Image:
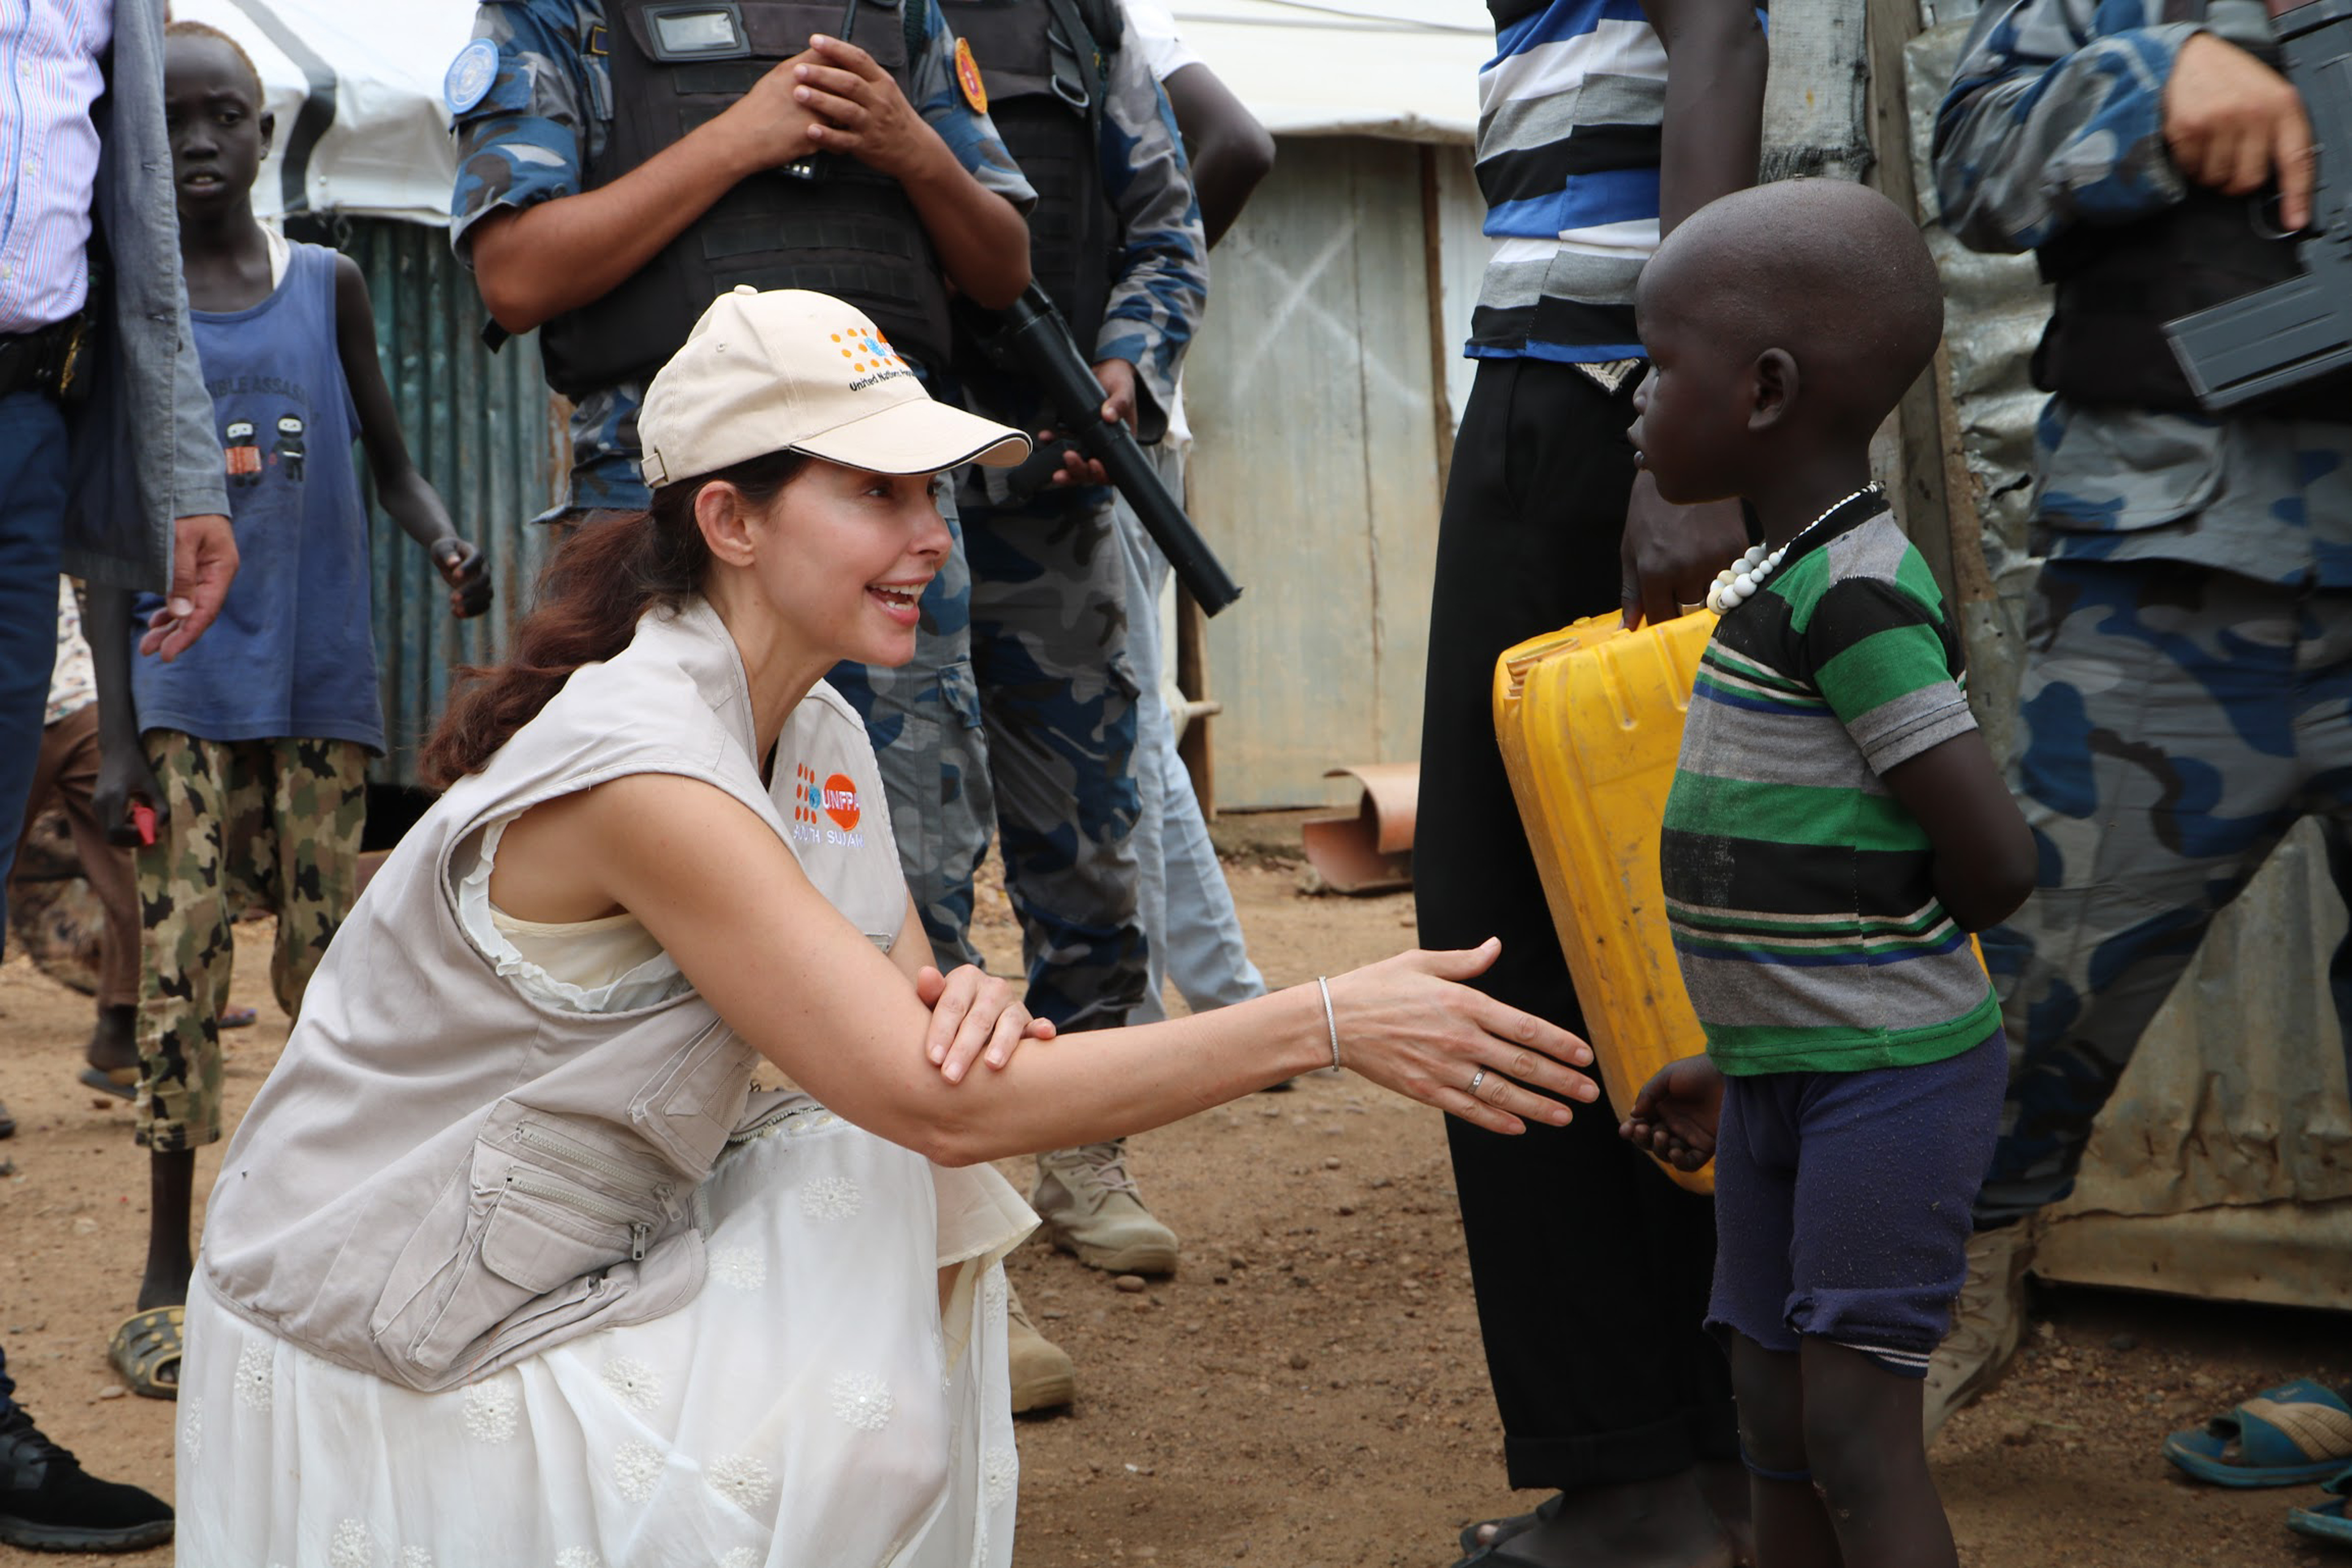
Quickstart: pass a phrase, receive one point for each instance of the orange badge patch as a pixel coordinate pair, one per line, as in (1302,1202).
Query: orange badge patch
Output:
(968,78)
(841,800)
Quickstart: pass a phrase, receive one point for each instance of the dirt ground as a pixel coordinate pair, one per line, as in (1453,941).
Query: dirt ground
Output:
(1308,1391)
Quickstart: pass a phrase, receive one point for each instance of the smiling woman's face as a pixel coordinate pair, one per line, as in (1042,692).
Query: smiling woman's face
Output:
(843,556)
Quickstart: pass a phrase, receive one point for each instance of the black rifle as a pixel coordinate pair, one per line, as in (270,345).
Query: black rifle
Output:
(2290,332)
(1028,339)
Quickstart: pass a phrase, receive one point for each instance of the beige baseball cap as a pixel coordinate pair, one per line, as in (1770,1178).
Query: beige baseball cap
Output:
(790,368)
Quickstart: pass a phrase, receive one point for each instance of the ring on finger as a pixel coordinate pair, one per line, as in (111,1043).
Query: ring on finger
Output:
(1475,1079)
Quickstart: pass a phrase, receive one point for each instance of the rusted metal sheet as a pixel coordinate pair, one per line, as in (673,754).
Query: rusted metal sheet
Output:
(2223,1165)
(483,429)
(1370,849)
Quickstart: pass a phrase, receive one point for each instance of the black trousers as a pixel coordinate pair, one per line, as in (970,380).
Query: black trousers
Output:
(1590,1268)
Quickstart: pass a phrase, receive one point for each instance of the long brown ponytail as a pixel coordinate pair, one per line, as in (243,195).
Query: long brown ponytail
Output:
(601,581)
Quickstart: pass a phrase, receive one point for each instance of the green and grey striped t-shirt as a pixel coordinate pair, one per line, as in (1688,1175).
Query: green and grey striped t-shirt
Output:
(1799,890)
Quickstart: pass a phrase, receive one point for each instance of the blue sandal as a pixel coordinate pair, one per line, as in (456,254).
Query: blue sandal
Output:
(2326,1521)
(2289,1436)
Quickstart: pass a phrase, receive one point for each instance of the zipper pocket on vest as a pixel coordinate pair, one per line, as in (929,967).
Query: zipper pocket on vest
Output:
(590,1204)
(550,1143)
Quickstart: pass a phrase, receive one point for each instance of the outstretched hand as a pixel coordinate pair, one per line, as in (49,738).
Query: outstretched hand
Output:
(1410,1025)
(1675,1113)
(972,1011)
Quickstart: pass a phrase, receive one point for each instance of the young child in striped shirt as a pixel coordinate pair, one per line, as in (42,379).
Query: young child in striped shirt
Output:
(1836,828)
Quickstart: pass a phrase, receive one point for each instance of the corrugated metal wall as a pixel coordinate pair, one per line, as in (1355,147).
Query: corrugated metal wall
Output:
(1315,399)
(481,427)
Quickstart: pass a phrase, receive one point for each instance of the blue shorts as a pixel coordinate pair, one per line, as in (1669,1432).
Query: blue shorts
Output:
(1842,1202)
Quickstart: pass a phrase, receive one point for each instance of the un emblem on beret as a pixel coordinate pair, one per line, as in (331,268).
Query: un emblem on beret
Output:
(471,75)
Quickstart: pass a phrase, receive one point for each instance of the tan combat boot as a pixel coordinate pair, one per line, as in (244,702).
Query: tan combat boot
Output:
(1091,1208)
(1987,1323)
(1044,1376)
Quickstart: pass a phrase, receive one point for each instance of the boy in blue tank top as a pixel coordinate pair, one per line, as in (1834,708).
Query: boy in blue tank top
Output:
(252,748)
(1836,828)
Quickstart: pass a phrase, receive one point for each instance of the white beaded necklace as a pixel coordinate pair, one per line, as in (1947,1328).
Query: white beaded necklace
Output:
(1736,584)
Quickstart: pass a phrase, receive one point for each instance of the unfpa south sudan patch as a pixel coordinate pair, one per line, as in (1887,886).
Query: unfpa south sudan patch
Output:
(968,78)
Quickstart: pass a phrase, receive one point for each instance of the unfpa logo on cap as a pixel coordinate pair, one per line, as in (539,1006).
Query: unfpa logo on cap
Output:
(871,358)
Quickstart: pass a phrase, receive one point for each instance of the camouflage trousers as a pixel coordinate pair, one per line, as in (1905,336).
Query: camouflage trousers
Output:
(923,718)
(2178,720)
(249,821)
(1049,647)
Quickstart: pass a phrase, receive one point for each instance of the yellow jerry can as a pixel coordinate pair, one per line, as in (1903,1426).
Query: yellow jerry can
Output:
(1591,722)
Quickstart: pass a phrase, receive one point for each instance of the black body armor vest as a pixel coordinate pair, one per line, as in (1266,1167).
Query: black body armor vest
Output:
(1074,232)
(2118,285)
(849,232)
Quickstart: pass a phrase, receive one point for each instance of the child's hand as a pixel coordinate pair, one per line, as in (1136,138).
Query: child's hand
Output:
(124,778)
(1674,1115)
(459,561)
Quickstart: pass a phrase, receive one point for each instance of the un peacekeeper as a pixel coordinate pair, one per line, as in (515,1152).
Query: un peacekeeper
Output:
(1115,239)
(2190,641)
(619,165)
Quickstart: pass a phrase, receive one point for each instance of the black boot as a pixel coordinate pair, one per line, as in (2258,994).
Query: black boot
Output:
(47,1503)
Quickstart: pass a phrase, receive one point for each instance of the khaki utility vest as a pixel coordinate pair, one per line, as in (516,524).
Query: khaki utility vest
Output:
(445,1176)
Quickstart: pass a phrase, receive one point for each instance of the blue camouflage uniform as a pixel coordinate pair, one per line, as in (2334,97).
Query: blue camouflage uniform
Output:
(2189,662)
(1049,612)
(530,137)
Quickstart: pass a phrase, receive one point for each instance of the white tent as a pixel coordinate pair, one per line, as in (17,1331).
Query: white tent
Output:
(357,88)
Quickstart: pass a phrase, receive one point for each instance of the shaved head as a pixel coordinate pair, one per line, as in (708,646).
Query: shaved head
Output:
(1833,273)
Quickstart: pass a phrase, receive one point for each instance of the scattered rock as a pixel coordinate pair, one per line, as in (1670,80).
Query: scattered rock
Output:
(1298,1361)
(2124,1342)
(1347,1209)
(1131,1284)
(2016,1432)
(1330,1161)
(113,1391)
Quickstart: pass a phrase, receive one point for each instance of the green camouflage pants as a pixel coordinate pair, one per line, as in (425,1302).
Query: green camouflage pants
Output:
(248,822)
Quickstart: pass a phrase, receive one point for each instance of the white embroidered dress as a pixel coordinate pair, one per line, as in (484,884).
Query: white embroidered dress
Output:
(813,1406)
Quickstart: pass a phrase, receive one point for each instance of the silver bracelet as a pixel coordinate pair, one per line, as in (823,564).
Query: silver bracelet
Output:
(1330,1021)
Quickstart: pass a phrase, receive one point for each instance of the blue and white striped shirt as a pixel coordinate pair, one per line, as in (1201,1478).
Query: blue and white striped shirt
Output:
(1568,116)
(49,52)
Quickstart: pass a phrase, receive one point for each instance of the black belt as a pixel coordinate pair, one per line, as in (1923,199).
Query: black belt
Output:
(34,361)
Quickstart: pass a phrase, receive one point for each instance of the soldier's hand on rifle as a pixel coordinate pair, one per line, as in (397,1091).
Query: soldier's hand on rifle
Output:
(774,126)
(1118,377)
(860,109)
(2233,123)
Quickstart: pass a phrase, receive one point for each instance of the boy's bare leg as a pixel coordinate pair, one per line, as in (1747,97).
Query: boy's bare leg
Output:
(1862,1435)
(171,1198)
(1792,1527)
